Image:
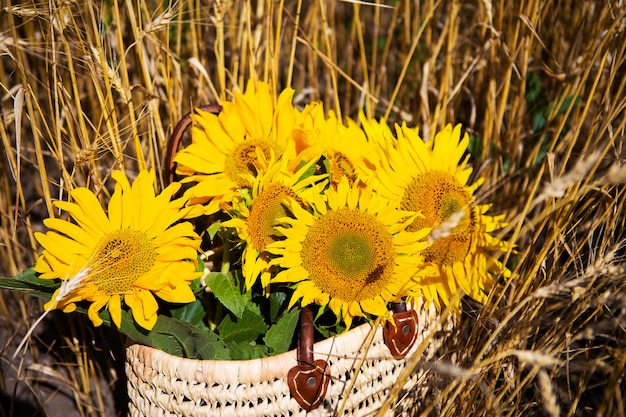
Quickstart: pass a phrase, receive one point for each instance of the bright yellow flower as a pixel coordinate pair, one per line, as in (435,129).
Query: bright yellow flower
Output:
(128,256)
(432,178)
(226,148)
(345,147)
(259,213)
(351,254)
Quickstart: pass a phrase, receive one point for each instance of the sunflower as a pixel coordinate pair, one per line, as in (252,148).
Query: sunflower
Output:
(351,254)
(226,148)
(344,146)
(432,178)
(130,255)
(259,212)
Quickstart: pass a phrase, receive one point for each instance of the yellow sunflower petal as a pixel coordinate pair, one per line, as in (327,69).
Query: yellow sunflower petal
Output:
(72,231)
(214,185)
(307,292)
(256,108)
(144,307)
(115,308)
(177,253)
(253,265)
(291,275)
(51,267)
(284,116)
(115,208)
(69,308)
(196,158)
(181,293)
(122,180)
(91,208)
(61,246)
(179,234)
(143,199)
(95,308)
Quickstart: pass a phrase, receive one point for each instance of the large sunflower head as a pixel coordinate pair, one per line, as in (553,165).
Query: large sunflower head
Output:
(432,178)
(126,256)
(259,211)
(350,253)
(239,141)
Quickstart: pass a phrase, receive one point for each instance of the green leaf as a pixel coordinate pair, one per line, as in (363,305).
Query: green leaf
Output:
(279,336)
(254,305)
(192,313)
(278,301)
(475,147)
(214,228)
(311,170)
(543,149)
(163,341)
(566,103)
(204,345)
(533,88)
(18,285)
(227,292)
(506,164)
(30,276)
(245,329)
(174,337)
(194,343)
(197,285)
(326,165)
(29,283)
(327,323)
(247,350)
(539,122)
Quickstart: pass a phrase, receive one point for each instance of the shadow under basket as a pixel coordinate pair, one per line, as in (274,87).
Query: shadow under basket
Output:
(160,384)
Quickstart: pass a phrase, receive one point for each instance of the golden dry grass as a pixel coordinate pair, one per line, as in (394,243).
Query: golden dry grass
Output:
(540,85)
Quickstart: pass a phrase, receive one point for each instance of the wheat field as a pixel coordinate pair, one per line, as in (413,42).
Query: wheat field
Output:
(89,87)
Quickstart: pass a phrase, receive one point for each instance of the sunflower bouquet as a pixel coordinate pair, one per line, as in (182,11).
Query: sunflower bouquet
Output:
(272,210)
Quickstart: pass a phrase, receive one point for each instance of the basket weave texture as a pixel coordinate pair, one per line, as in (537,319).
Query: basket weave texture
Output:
(160,384)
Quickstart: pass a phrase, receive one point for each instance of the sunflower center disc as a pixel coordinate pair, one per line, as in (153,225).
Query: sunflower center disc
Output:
(340,166)
(349,254)
(267,208)
(120,258)
(438,196)
(244,159)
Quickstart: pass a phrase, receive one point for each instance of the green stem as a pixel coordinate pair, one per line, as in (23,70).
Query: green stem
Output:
(226,253)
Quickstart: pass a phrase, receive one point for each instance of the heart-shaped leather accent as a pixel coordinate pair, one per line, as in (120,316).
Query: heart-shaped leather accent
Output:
(401,337)
(308,383)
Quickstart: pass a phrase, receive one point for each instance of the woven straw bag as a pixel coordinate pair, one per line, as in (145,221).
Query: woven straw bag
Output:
(362,375)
